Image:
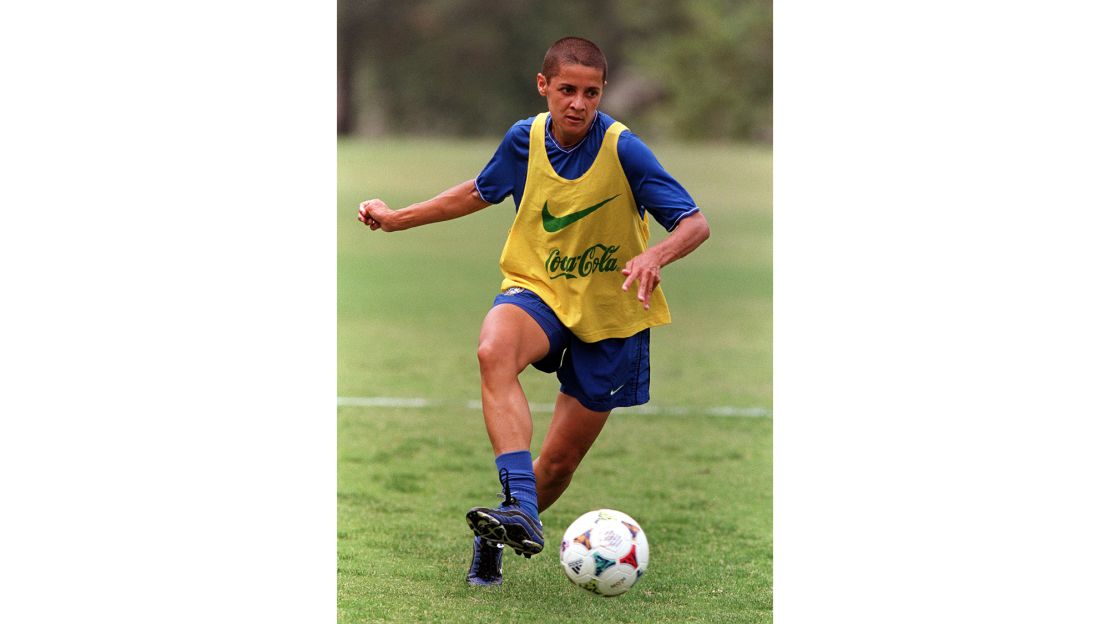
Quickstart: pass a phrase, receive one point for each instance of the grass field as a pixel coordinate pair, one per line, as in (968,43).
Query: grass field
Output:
(696,476)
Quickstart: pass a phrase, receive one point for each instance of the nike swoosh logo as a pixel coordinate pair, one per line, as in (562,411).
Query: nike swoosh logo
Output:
(617,390)
(551,223)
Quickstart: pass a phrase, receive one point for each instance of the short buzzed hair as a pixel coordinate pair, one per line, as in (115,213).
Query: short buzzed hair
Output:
(574,51)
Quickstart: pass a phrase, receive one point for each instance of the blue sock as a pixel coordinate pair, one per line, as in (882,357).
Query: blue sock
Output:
(522,480)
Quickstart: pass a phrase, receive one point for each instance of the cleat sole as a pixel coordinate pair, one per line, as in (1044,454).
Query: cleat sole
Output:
(490,528)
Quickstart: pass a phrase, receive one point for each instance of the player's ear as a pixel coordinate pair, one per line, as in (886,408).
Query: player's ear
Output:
(541,84)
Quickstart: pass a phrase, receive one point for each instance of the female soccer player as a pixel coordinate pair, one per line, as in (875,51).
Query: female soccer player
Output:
(580,289)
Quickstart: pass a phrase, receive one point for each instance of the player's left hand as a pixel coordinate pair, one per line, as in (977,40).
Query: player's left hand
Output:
(644,269)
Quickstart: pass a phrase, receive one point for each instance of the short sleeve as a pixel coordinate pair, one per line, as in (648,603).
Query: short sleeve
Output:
(504,173)
(655,190)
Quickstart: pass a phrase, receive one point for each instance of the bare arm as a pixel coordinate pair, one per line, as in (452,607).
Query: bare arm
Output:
(645,268)
(457,201)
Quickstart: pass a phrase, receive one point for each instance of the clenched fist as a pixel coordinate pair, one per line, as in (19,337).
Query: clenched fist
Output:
(376,214)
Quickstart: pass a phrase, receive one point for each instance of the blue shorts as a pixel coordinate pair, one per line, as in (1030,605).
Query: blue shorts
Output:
(602,375)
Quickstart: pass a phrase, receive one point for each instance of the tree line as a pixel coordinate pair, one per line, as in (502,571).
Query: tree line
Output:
(689,69)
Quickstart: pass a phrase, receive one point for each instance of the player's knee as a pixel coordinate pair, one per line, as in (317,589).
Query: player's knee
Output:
(495,357)
(560,466)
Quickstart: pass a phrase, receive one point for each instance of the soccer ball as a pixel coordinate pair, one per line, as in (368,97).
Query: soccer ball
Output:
(604,552)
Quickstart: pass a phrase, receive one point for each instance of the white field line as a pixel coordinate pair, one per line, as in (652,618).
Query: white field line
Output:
(546,408)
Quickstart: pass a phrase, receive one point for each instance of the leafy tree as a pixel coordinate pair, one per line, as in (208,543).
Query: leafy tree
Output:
(703,67)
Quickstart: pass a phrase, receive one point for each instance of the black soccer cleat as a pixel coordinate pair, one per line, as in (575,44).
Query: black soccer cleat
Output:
(509,525)
(485,566)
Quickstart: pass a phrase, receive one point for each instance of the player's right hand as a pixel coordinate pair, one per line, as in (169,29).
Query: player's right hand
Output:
(371,213)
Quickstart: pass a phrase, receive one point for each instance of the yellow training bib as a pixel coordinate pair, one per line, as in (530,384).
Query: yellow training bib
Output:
(571,238)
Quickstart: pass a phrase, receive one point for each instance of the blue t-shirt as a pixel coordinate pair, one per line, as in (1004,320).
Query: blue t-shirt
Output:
(653,189)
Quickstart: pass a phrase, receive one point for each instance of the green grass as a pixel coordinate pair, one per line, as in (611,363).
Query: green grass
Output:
(410,305)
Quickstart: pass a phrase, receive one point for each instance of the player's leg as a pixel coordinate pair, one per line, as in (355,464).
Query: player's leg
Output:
(572,432)
(596,378)
(518,331)
(509,341)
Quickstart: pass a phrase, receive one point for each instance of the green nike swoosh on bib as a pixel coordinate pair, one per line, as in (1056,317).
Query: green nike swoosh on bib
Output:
(551,223)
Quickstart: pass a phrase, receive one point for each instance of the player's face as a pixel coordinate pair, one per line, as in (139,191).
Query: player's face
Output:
(572,98)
